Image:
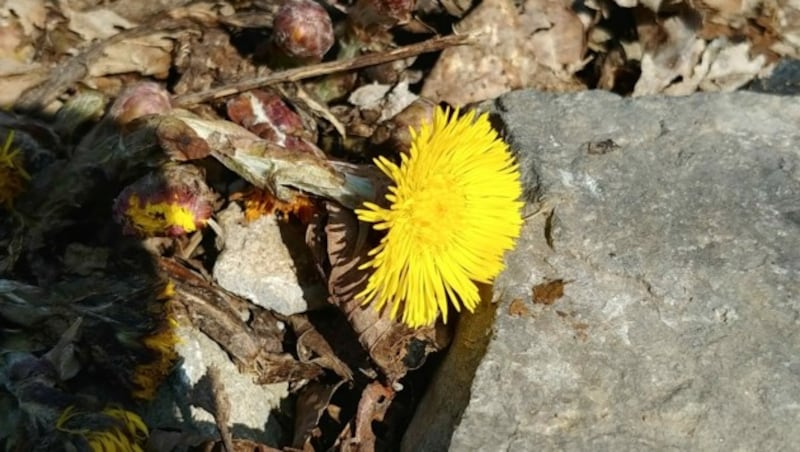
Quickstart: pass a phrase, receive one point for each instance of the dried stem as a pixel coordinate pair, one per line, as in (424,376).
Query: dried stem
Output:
(77,67)
(315,70)
(222,407)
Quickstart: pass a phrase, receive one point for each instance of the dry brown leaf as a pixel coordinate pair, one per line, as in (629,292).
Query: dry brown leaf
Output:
(205,58)
(548,292)
(11,86)
(677,61)
(147,55)
(281,171)
(391,345)
(16,47)
(312,347)
(541,47)
(312,402)
(730,66)
(671,52)
(21,25)
(255,346)
(94,24)
(32,14)
(375,400)
(388,100)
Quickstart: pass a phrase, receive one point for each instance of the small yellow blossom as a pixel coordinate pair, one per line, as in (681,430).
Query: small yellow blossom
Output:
(13,176)
(172,201)
(148,376)
(454,210)
(112,430)
(151,218)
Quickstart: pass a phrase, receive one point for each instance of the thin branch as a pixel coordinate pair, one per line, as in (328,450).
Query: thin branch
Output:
(315,70)
(77,67)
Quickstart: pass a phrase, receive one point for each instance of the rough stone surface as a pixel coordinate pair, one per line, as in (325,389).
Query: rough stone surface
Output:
(186,401)
(784,79)
(268,264)
(679,245)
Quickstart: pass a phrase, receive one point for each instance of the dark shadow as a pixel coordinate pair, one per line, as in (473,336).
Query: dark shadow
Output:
(293,235)
(440,410)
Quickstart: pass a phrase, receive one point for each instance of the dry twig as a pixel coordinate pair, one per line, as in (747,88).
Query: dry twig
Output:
(77,68)
(316,70)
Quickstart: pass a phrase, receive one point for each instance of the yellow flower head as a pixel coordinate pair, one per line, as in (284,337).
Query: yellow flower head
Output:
(161,343)
(111,430)
(454,209)
(13,176)
(172,201)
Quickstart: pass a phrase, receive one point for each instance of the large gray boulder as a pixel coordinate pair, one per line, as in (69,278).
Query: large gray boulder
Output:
(674,224)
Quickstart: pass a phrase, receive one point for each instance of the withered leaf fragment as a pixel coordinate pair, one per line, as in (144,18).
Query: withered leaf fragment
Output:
(256,346)
(394,347)
(280,170)
(375,401)
(312,347)
(312,401)
(548,292)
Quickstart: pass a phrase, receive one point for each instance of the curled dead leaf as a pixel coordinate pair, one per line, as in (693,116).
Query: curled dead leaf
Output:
(313,348)
(312,402)
(392,346)
(375,401)
(255,346)
(548,292)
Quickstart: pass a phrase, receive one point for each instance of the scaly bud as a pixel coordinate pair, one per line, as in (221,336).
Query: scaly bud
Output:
(171,202)
(146,98)
(303,29)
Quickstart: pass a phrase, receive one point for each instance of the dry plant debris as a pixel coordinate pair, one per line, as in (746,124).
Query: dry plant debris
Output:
(128,130)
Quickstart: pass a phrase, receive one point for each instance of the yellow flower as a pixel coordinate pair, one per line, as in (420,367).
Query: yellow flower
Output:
(13,176)
(112,430)
(148,376)
(172,201)
(454,209)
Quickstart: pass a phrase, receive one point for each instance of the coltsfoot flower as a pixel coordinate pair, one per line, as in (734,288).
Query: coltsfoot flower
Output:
(160,343)
(112,430)
(454,210)
(171,202)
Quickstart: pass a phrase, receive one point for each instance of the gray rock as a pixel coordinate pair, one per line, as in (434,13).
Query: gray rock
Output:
(679,244)
(267,264)
(186,402)
(784,79)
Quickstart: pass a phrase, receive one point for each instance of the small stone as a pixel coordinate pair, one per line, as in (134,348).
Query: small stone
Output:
(253,405)
(268,263)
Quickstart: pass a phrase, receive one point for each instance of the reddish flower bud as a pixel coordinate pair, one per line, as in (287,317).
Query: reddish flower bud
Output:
(394,135)
(171,202)
(268,116)
(303,29)
(146,98)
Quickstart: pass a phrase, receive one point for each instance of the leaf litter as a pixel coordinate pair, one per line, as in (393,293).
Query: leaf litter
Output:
(100,95)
